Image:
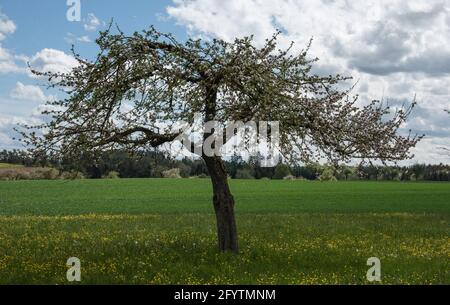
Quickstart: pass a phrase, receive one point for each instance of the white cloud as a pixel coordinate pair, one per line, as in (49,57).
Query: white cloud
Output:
(7,132)
(84,38)
(28,93)
(14,120)
(7,59)
(92,23)
(7,26)
(4,55)
(71,38)
(51,60)
(8,62)
(37,112)
(30,117)
(393,36)
(431,151)
(45,60)
(395,49)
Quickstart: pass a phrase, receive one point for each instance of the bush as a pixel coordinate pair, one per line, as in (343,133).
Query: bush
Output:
(244,174)
(111,175)
(48,173)
(24,175)
(73,175)
(185,170)
(173,173)
(290,177)
(281,171)
(157,172)
(7,174)
(327,175)
(29,173)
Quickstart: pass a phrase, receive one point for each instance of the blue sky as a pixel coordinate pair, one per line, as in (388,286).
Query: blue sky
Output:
(43,24)
(396,49)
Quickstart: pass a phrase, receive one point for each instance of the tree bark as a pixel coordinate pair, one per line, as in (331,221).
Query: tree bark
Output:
(223,205)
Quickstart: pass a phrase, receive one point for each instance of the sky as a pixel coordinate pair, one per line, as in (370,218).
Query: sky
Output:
(395,50)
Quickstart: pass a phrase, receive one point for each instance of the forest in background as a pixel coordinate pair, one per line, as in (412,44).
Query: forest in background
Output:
(157,164)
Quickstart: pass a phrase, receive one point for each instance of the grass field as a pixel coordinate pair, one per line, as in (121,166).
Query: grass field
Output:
(7,165)
(143,231)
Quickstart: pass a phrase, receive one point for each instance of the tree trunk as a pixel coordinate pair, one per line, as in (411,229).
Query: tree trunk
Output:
(223,205)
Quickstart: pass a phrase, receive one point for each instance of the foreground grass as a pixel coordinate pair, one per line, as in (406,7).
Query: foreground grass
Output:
(163,232)
(159,196)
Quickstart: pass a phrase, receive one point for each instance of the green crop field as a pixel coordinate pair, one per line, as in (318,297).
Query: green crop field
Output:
(150,231)
(7,165)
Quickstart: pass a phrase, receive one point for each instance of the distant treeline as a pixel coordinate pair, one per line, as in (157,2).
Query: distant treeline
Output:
(156,164)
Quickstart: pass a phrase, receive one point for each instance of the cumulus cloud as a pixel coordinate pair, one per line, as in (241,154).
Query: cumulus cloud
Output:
(71,38)
(8,62)
(51,60)
(92,23)
(7,59)
(84,38)
(28,93)
(396,36)
(7,26)
(7,132)
(14,115)
(431,151)
(394,49)
(15,120)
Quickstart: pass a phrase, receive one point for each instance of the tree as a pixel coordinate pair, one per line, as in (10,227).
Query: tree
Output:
(281,171)
(118,101)
(446,148)
(245,173)
(327,174)
(346,172)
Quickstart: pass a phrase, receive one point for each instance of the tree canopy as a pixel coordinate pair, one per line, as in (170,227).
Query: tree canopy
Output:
(120,99)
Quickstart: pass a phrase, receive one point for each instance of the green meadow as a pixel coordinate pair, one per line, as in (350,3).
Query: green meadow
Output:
(162,231)
(7,165)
